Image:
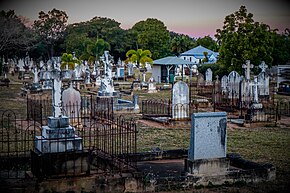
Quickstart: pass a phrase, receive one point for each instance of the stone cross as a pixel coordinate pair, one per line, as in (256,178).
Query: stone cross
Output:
(263,66)
(56,94)
(247,68)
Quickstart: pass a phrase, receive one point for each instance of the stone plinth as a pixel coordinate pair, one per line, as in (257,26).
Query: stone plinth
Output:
(58,136)
(218,166)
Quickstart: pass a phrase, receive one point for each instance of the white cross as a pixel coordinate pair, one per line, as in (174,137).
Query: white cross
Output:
(247,68)
(56,94)
(263,66)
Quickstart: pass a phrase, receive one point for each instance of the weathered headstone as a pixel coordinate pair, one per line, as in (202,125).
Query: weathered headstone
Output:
(151,86)
(263,80)
(208,77)
(224,83)
(71,101)
(208,136)
(208,143)
(180,100)
(200,79)
(233,85)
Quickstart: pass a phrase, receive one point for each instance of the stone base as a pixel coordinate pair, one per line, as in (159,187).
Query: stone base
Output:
(59,164)
(218,166)
(44,145)
(257,106)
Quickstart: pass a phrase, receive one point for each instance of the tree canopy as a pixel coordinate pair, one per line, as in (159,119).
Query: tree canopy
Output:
(51,27)
(140,57)
(241,39)
(153,35)
(14,35)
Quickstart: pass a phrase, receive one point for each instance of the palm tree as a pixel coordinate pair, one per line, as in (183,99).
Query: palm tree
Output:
(67,60)
(140,57)
(97,49)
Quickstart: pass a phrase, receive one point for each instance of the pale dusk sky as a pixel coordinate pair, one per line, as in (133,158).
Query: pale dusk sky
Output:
(196,18)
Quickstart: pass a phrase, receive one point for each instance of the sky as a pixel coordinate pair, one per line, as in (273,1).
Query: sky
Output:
(196,18)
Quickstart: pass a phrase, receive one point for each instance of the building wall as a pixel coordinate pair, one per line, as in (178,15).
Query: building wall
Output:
(156,73)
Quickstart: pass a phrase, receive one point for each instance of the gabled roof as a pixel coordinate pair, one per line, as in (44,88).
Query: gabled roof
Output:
(198,52)
(171,60)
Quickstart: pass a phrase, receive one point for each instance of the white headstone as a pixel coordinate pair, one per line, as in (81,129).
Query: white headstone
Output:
(233,84)
(208,139)
(180,100)
(71,99)
(208,76)
(224,83)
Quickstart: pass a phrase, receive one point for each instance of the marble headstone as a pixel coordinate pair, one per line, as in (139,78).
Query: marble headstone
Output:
(180,100)
(208,77)
(233,84)
(71,99)
(208,137)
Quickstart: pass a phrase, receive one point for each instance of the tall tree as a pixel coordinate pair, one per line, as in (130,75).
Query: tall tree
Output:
(153,35)
(51,27)
(208,42)
(14,36)
(181,43)
(242,39)
(96,49)
(281,50)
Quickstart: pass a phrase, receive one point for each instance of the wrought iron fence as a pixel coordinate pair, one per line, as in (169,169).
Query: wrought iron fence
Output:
(107,141)
(165,108)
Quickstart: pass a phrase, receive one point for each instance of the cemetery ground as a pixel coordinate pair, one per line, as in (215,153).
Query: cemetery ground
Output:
(262,143)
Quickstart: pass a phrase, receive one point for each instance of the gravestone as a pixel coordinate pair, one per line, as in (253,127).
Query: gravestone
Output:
(71,102)
(208,143)
(130,67)
(246,93)
(256,104)
(224,83)
(151,86)
(180,100)
(57,135)
(208,77)
(200,79)
(107,85)
(233,85)
(263,80)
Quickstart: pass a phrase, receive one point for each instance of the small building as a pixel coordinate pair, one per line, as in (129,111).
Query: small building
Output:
(196,55)
(164,69)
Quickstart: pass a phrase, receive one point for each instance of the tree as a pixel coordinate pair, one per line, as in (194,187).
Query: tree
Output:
(14,36)
(153,35)
(181,43)
(67,60)
(207,42)
(242,39)
(51,27)
(140,57)
(281,48)
(205,57)
(100,28)
(97,48)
